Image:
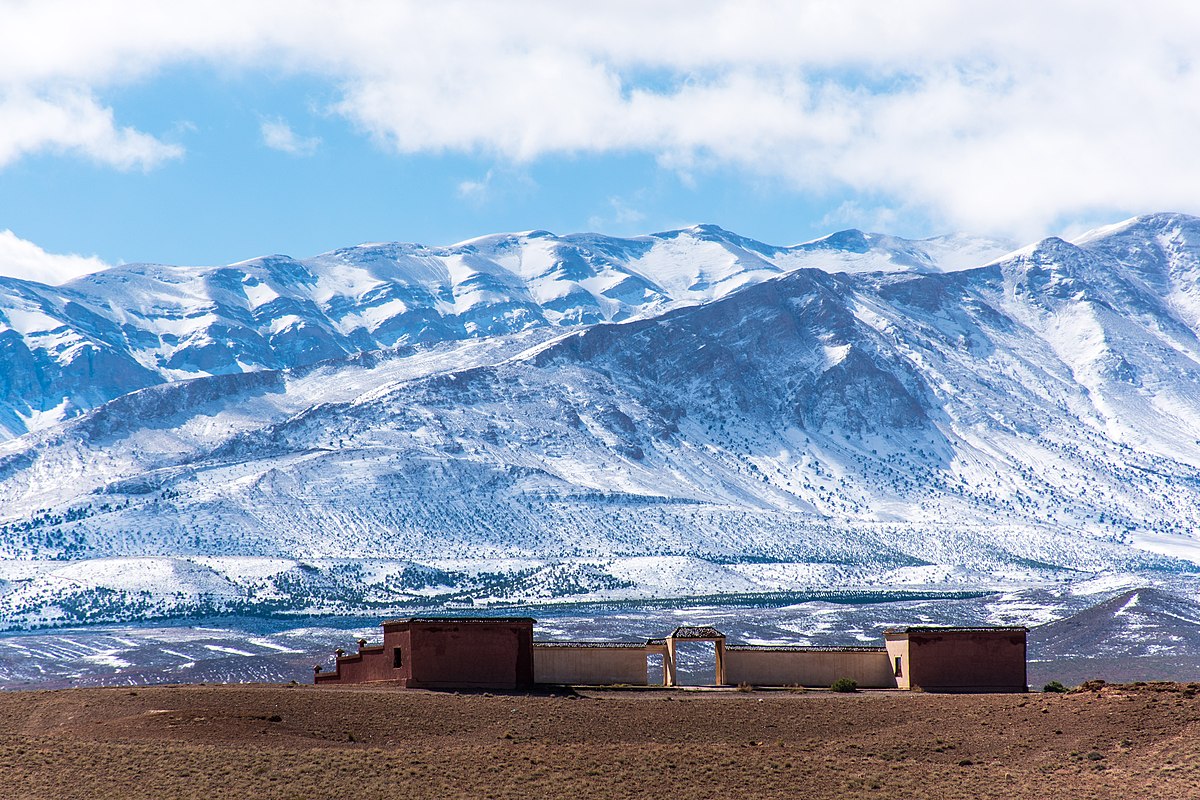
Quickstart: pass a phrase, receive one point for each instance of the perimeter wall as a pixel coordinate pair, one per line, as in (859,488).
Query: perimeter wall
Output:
(798,667)
(589,665)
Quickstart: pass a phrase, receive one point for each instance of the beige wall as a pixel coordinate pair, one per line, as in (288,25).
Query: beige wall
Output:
(589,666)
(897,647)
(872,670)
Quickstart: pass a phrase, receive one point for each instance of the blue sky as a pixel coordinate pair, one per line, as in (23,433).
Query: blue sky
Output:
(208,133)
(232,196)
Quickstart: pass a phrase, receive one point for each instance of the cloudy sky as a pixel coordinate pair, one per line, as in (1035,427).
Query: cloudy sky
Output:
(202,133)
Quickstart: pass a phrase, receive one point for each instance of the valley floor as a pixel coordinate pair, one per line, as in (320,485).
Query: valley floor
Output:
(261,741)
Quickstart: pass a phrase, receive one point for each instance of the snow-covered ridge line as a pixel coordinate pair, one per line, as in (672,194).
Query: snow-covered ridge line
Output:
(67,349)
(1032,422)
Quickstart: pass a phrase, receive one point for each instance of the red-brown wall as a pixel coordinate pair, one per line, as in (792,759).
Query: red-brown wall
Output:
(365,666)
(480,655)
(445,654)
(967,661)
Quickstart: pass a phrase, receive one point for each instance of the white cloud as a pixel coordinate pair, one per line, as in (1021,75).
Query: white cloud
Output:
(983,115)
(23,259)
(476,191)
(618,218)
(855,214)
(72,122)
(278,135)
(497,185)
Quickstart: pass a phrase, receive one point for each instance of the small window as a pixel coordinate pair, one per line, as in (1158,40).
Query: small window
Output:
(397,658)
(899,671)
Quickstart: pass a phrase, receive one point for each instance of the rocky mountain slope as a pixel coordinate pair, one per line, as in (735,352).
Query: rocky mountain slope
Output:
(1143,634)
(66,349)
(734,428)
(1134,624)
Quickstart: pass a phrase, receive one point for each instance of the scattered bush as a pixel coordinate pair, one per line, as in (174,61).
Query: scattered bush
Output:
(845,685)
(1054,687)
(745,687)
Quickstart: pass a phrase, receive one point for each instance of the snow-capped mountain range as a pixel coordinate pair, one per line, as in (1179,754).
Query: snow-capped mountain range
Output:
(66,349)
(530,416)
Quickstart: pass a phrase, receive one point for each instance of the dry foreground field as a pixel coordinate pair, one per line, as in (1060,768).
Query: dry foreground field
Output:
(332,742)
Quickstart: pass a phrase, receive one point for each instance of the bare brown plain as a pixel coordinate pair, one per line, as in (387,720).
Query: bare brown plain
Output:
(325,742)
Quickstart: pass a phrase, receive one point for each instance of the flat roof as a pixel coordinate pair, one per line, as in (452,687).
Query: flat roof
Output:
(403,620)
(953,629)
(799,648)
(638,645)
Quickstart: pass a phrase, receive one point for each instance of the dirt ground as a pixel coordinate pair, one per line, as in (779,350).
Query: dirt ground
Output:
(331,742)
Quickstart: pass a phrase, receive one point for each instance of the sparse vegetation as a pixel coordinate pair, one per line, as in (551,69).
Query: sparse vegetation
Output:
(845,685)
(197,742)
(1054,687)
(1094,685)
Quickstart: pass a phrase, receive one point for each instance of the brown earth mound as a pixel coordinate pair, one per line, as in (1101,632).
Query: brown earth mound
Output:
(324,742)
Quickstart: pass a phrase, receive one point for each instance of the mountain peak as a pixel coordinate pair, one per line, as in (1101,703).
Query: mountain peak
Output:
(165,323)
(851,239)
(1146,223)
(703,229)
(465,415)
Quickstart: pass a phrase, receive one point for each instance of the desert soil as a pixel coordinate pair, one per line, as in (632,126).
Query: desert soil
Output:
(307,742)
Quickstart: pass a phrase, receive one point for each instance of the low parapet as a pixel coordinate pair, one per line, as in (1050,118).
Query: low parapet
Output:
(594,645)
(460,621)
(799,648)
(955,629)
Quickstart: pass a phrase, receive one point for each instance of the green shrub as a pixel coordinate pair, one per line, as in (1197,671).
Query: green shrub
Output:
(845,685)
(1054,687)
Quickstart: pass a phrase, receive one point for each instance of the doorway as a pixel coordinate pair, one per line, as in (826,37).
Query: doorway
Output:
(656,669)
(696,663)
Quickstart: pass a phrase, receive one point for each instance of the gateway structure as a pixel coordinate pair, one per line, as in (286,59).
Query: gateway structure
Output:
(500,653)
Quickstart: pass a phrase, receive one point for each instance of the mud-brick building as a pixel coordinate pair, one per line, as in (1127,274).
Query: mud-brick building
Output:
(940,659)
(500,653)
(443,653)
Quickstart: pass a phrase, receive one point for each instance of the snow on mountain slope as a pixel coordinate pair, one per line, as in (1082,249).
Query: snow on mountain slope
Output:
(1137,623)
(856,251)
(67,349)
(1023,423)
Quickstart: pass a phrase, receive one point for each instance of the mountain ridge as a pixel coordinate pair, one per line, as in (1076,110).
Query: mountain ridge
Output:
(1028,422)
(69,348)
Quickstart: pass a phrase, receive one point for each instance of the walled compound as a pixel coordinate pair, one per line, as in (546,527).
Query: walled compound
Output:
(500,653)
